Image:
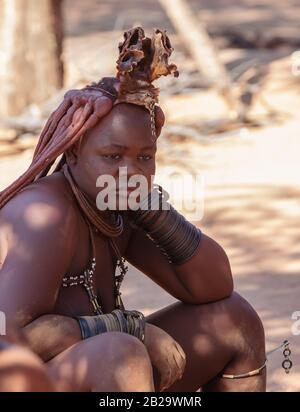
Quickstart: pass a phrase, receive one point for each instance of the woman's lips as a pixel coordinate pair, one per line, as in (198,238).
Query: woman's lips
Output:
(124,189)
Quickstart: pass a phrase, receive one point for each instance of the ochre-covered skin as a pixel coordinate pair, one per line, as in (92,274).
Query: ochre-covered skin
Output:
(143,60)
(44,236)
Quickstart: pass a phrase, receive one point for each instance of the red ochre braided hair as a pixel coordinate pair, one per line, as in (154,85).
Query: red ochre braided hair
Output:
(141,60)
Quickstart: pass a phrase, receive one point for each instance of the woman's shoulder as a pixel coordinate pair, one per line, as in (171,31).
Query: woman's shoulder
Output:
(45,203)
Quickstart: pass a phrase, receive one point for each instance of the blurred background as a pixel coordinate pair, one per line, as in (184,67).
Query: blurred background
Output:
(231,116)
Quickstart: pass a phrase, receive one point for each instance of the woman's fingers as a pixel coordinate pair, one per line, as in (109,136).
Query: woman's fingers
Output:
(180,350)
(177,363)
(178,366)
(180,362)
(166,380)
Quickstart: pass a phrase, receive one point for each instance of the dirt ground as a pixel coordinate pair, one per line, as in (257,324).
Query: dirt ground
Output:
(251,177)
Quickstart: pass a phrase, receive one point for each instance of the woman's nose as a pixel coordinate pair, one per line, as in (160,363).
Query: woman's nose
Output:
(129,168)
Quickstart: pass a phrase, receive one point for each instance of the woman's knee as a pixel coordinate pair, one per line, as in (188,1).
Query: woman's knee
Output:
(125,348)
(117,345)
(22,371)
(248,325)
(234,324)
(122,359)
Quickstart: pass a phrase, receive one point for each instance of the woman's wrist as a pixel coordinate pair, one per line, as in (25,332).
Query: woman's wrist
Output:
(127,321)
(176,237)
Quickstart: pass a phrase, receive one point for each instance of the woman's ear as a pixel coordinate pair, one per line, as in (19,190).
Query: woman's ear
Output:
(159,119)
(72,152)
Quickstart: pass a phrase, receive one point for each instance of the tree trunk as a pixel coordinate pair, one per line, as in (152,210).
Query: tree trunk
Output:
(31,68)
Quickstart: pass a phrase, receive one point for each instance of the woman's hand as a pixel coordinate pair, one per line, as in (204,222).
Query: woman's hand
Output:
(166,355)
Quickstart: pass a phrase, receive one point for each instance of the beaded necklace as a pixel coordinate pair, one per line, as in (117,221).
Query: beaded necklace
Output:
(95,221)
(97,224)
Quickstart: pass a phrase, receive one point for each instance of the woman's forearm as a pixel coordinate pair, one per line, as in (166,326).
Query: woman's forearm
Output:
(200,263)
(207,275)
(50,335)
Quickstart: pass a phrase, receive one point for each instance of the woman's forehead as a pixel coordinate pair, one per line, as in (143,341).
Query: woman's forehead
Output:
(125,124)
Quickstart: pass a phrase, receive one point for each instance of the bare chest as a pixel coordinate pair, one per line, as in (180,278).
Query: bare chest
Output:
(74,300)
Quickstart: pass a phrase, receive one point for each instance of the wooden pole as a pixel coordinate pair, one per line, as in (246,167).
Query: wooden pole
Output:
(30,53)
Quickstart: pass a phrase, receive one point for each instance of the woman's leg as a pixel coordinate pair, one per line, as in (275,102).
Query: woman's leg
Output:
(22,371)
(110,362)
(221,337)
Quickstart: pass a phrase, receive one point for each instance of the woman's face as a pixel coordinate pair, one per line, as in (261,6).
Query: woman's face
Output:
(122,139)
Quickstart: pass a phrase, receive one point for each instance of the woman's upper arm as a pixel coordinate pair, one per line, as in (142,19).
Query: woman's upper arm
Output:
(204,278)
(39,243)
(142,253)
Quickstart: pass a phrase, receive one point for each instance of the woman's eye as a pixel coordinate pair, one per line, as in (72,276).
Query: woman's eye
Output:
(112,156)
(145,157)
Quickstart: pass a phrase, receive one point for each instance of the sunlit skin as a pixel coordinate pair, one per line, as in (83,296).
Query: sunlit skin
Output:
(211,329)
(106,155)
(20,369)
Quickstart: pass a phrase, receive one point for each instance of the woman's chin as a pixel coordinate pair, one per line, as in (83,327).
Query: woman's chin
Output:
(120,200)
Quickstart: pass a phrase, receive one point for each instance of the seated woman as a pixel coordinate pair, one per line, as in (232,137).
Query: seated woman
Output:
(59,253)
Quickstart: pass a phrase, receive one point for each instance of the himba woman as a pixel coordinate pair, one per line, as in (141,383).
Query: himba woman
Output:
(62,258)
